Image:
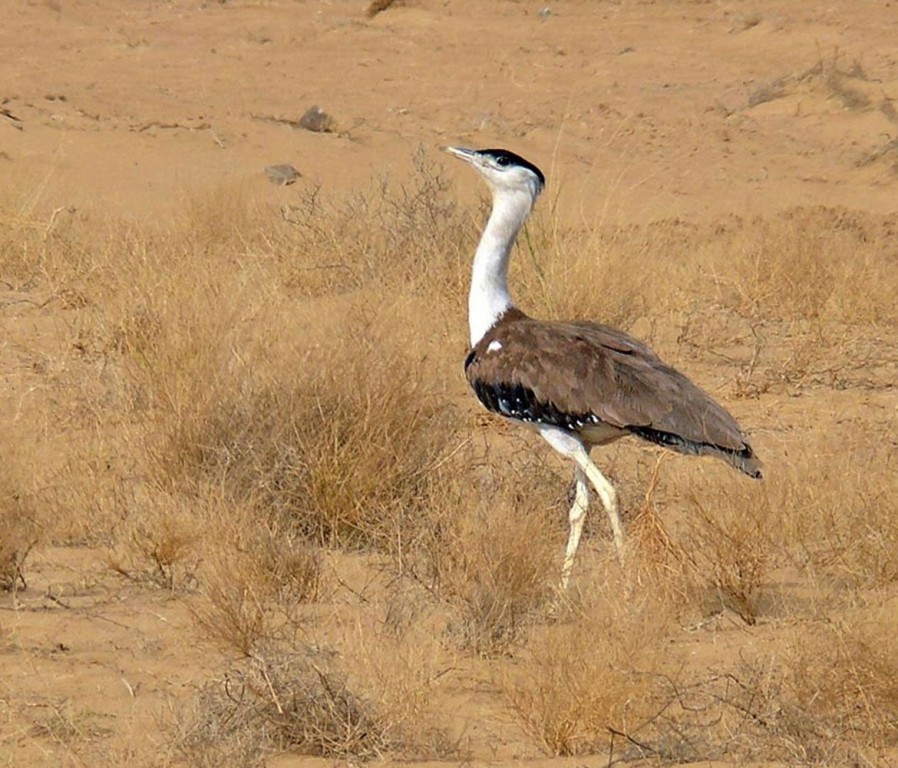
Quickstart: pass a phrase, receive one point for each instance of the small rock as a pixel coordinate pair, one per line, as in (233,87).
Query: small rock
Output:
(376,6)
(283,174)
(317,120)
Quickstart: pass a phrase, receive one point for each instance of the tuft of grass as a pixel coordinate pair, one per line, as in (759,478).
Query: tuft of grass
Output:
(593,676)
(19,520)
(161,546)
(305,700)
(41,251)
(336,445)
(254,584)
(490,546)
(284,701)
(837,80)
(767,91)
(730,553)
(65,725)
(841,81)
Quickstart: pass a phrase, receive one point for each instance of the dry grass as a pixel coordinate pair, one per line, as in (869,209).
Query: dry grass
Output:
(845,83)
(367,695)
(19,517)
(412,237)
(828,509)
(284,702)
(491,549)
(825,696)
(238,398)
(254,583)
(722,542)
(594,675)
(334,445)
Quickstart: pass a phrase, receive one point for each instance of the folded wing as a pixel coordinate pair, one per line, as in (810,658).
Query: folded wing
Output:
(587,377)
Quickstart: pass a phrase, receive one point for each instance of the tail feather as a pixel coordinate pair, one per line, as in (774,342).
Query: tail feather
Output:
(742,458)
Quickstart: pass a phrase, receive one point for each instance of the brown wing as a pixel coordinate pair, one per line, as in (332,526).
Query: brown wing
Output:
(575,375)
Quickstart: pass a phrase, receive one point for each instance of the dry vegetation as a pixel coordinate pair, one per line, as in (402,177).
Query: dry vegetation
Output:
(261,413)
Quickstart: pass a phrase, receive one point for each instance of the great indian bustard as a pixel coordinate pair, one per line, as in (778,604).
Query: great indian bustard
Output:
(579,384)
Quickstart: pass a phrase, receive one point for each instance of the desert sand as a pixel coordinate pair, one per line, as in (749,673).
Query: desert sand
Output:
(709,120)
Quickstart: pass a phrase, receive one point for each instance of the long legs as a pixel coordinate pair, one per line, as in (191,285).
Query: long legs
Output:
(606,493)
(577,517)
(568,445)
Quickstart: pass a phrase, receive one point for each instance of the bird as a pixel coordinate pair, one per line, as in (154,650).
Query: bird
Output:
(579,384)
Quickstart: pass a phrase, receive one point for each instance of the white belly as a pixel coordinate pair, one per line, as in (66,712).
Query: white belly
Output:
(600,434)
(593,434)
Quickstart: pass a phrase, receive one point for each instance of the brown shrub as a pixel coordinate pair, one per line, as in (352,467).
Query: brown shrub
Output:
(595,675)
(364,695)
(489,542)
(277,702)
(337,444)
(412,238)
(19,523)
(254,583)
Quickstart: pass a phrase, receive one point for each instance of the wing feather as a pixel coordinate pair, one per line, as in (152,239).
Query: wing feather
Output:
(591,369)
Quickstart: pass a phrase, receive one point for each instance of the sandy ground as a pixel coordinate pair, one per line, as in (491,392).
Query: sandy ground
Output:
(635,110)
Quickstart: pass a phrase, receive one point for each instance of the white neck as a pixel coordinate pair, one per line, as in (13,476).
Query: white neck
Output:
(489,299)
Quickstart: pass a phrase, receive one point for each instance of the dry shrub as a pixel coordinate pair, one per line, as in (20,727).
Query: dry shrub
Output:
(19,522)
(818,693)
(822,694)
(20,534)
(656,559)
(806,263)
(323,412)
(401,667)
(490,545)
(282,701)
(842,682)
(161,545)
(729,550)
(839,513)
(825,505)
(364,696)
(595,676)
(609,274)
(66,725)
(409,236)
(828,698)
(46,252)
(336,443)
(224,221)
(254,582)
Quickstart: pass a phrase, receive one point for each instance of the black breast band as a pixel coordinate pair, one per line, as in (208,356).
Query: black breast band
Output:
(516,401)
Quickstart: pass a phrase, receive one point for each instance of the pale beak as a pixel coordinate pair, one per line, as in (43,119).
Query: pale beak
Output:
(465,154)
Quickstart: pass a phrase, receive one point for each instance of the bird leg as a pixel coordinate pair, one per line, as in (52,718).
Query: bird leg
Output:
(570,445)
(606,493)
(577,517)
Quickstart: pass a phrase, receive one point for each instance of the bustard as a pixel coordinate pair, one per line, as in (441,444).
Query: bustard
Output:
(579,384)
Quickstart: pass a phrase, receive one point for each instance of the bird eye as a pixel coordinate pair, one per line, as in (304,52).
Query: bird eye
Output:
(502,161)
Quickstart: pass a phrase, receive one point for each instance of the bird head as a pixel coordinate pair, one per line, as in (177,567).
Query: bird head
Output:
(504,171)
